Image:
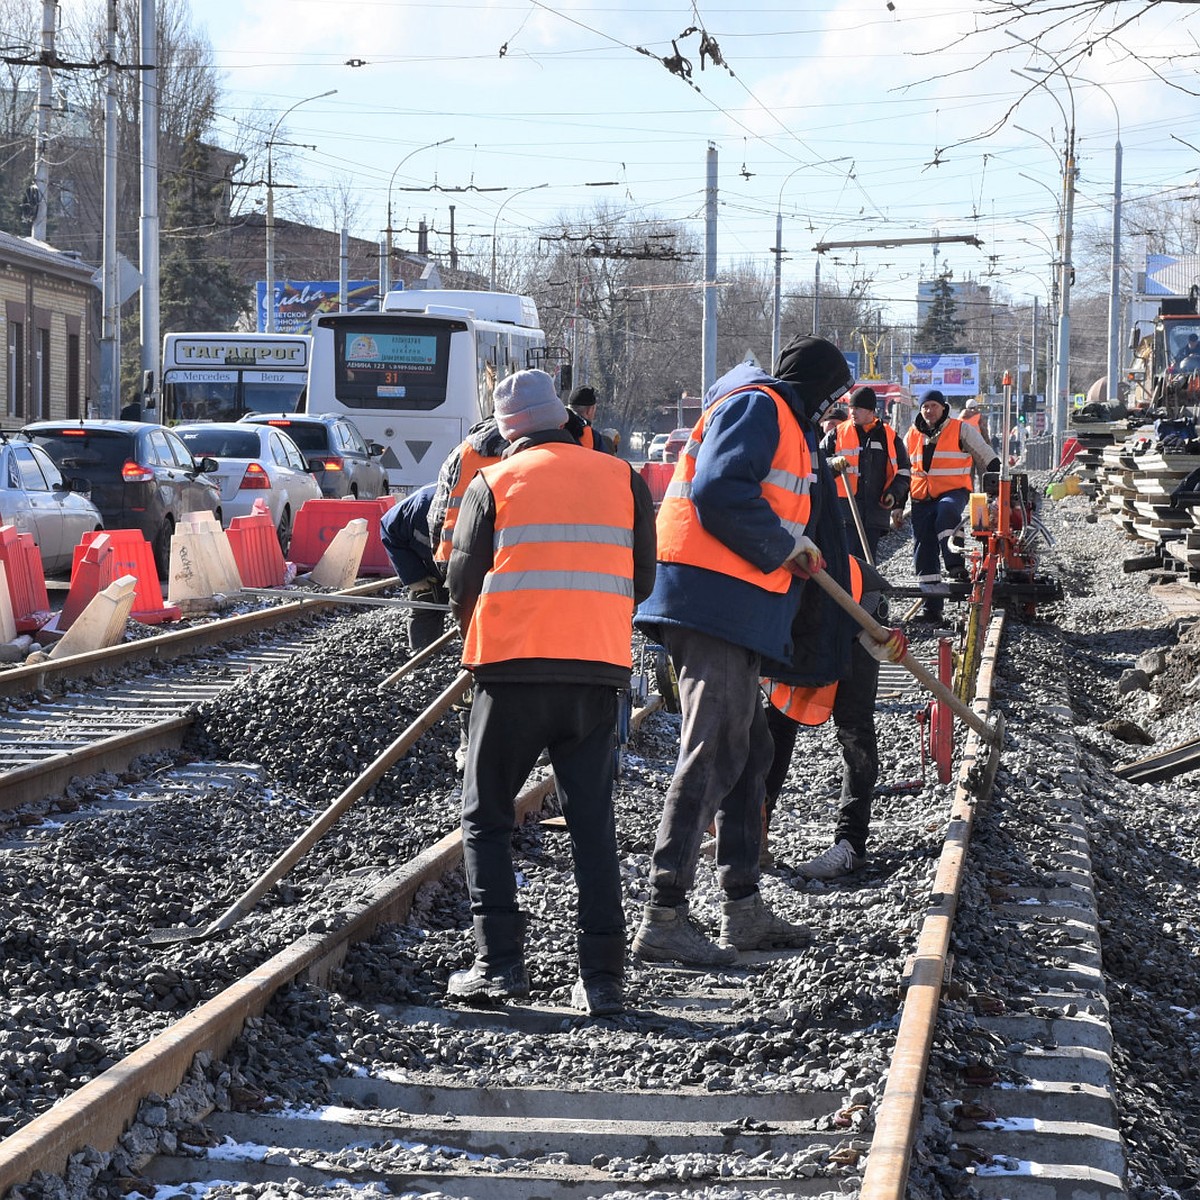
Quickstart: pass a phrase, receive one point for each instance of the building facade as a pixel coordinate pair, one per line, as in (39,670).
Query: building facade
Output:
(49,321)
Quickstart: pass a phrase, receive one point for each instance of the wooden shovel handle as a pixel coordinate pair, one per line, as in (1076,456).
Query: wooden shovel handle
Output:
(921,673)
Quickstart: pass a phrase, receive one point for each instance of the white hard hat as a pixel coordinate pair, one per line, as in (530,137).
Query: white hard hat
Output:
(972,403)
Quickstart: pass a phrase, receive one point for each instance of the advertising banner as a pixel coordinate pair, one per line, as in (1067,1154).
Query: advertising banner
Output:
(951,374)
(297,302)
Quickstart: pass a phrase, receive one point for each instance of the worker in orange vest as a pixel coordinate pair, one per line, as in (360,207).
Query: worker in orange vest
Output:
(734,549)
(799,695)
(871,463)
(553,548)
(942,451)
(582,402)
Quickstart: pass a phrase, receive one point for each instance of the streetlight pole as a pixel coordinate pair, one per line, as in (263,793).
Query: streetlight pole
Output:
(1062,381)
(385,282)
(270,297)
(496,224)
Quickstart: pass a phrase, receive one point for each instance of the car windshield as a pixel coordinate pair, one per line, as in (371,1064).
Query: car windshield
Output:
(221,443)
(310,437)
(73,448)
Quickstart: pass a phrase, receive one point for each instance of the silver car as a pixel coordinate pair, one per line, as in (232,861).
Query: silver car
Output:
(36,499)
(254,462)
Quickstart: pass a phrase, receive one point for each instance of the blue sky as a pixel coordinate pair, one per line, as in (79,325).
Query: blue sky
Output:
(830,113)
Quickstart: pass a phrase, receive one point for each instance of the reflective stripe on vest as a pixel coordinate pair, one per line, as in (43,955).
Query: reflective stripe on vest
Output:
(560,587)
(470,463)
(786,488)
(811,705)
(847,445)
(950,467)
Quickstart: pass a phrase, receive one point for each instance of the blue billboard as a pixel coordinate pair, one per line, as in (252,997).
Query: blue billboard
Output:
(297,302)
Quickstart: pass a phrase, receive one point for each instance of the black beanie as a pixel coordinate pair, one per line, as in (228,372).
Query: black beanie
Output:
(817,371)
(935,395)
(863,397)
(582,397)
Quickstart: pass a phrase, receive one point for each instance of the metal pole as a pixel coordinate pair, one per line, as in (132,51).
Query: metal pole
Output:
(816,297)
(778,250)
(1114,286)
(344,272)
(1064,314)
(110,340)
(709,332)
(149,246)
(41,169)
(270,288)
(385,276)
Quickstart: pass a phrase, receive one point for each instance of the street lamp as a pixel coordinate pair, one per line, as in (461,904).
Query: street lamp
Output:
(1065,269)
(271,207)
(386,282)
(1113,364)
(777,249)
(496,223)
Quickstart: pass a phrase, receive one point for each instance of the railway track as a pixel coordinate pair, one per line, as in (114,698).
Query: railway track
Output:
(58,727)
(498,1104)
(332,1061)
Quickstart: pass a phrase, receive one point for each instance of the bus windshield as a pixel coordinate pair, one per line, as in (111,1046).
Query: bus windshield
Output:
(392,362)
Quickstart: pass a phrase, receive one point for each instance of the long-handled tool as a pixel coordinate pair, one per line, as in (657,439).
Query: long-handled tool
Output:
(292,855)
(992,734)
(858,524)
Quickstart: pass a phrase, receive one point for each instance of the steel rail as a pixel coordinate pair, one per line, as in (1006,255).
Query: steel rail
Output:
(98,1113)
(899,1114)
(166,646)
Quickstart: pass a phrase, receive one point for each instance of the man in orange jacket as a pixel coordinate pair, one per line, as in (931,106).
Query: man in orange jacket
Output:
(553,547)
(942,450)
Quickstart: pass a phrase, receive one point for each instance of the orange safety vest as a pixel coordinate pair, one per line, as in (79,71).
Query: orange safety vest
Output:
(470,463)
(950,467)
(786,488)
(811,705)
(974,419)
(561,581)
(588,440)
(847,445)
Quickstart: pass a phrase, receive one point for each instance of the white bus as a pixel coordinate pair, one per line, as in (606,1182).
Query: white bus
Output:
(417,375)
(221,376)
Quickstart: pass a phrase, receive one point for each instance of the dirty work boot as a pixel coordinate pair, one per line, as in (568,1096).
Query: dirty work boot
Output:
(669,935)
(482,982)
(498,972)
(599,991)
(748,924)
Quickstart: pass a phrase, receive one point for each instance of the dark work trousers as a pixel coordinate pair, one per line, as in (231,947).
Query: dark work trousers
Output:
(724,752)
(511,724)
(854,720)
(933,521)
(426,625)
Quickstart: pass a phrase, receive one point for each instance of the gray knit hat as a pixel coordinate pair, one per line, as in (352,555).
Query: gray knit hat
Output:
(526,403)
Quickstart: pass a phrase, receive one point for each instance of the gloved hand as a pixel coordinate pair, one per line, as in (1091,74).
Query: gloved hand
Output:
(887,500)
(893,650)
(838,464)
(422,589)
(805,559)
(897,521)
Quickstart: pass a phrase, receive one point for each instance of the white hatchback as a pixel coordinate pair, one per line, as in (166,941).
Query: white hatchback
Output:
(255,462)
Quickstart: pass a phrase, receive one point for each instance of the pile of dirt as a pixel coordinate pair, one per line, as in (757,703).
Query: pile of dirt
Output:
(1179,684)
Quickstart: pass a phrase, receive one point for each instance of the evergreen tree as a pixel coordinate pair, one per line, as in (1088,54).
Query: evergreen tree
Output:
(942,331)
(199,289)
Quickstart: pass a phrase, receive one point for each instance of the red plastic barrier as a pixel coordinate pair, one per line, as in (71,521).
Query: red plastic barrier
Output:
(1070,449)
(91,573)
(26,579)
(657,476)
(318,522)
(256,549)
(132,555)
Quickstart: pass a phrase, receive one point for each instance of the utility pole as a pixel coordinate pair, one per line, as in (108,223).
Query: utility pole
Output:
(41,168)
(149,264)
(110,334)
(709,333)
